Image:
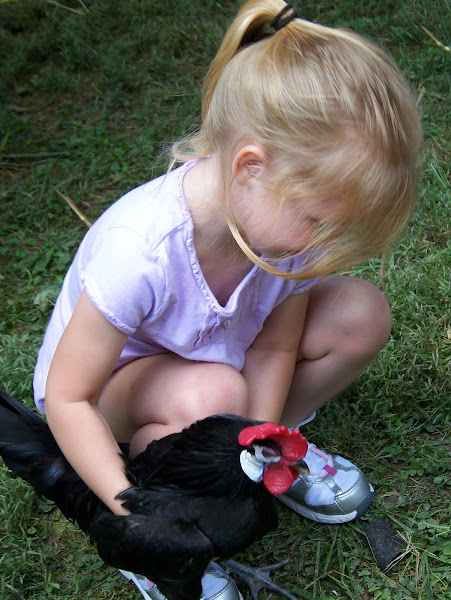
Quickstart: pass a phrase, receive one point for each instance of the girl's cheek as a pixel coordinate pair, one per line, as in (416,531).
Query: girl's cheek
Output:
(301,236)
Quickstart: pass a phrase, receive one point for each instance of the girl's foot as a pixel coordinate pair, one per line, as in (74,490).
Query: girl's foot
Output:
(335,491)
(215,584)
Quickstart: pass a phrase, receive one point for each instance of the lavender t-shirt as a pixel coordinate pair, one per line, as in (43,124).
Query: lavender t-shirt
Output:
(138,265)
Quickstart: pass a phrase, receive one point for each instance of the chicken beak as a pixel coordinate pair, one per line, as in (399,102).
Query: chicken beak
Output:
(302,466)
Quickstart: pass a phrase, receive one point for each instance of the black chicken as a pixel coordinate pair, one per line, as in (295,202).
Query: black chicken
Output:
(196,495)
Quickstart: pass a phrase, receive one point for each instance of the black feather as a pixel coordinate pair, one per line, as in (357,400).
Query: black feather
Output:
(197,461)
(189,498)
(30,451)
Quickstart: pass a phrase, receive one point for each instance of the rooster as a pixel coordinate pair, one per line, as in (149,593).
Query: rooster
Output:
(200,494)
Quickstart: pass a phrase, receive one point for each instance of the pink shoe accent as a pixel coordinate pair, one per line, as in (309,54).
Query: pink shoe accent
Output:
(330,470)
(319,452)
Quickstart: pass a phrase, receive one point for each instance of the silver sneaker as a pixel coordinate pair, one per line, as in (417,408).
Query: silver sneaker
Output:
(216,585)
(335,491)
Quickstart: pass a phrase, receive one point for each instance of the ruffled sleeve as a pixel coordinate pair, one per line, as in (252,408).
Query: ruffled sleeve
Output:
(124,278)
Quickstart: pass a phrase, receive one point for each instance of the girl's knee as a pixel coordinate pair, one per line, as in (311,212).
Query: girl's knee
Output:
(348,315)
(219,389)
(365,316)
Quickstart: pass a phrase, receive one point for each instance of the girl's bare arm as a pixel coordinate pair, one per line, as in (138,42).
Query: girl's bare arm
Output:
(271,359)
(84,360)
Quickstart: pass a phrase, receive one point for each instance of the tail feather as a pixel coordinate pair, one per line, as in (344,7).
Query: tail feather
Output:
(27,445)
(20,424)
(29,449)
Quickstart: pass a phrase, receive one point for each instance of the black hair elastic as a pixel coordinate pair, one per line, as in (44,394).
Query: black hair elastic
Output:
(286,15)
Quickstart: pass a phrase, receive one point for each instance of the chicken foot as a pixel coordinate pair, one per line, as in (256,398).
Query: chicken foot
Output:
(257,578)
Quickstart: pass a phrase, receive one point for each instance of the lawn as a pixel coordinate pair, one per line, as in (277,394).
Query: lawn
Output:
(91,95)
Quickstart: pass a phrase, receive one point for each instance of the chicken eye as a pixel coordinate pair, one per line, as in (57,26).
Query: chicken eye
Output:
(269,453)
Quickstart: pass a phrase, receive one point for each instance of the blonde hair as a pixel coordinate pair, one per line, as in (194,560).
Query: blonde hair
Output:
(335,118)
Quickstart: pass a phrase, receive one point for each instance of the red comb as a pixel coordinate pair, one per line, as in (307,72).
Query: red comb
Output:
(259,432)
(293,443)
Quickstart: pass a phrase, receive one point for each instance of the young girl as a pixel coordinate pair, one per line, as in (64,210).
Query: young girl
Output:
(204,291)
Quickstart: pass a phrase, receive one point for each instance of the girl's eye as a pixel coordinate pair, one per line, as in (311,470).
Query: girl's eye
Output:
(314,221)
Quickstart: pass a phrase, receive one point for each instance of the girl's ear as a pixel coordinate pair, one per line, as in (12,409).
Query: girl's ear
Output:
(249,163)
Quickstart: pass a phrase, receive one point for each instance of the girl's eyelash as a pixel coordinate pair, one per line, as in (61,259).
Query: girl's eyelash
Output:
(314,221)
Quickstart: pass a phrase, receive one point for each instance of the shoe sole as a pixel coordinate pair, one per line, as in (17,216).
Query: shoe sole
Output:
(329,519)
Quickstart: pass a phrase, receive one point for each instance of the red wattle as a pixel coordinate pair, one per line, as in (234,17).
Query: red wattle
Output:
(278,478)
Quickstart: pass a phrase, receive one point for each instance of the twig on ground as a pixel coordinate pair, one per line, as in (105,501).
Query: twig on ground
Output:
(437,42)
(74,10)
(76,210)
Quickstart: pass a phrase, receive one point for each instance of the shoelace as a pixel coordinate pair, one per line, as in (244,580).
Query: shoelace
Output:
(328,468)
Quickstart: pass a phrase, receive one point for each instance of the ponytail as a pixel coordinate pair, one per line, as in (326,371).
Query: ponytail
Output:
(251,25)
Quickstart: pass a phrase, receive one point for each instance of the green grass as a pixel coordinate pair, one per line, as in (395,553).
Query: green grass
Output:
(89,100)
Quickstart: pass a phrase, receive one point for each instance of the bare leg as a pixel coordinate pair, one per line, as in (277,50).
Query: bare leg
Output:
(348,321)
(157,395)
